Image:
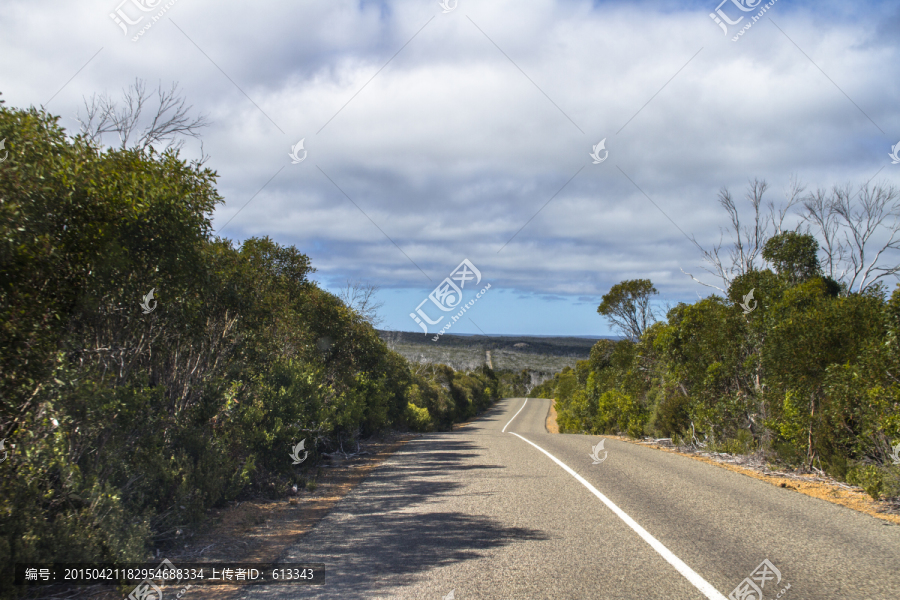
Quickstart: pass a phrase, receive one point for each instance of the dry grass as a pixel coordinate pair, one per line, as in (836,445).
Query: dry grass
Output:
(551,425)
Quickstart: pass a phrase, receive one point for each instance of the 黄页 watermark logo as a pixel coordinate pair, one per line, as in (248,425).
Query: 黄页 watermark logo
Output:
(124,20)
(448,5)
(447,296)
(149,590)
(746,303)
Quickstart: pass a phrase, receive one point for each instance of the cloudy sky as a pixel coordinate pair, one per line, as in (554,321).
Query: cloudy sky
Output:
(434,134)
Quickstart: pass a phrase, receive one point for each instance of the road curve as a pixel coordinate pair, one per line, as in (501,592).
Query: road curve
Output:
(521,513)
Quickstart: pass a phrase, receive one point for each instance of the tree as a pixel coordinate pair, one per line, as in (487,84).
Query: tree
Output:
(83,236)
(847,227)
(170,122)
(815,332)
(122,424)
(360,297)
(748,240)
(794,256)
(627,306)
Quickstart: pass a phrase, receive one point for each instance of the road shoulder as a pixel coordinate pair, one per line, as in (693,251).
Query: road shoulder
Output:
(823,488)
(550,424)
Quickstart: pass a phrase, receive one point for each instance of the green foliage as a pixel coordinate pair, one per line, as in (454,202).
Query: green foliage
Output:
(742,443)
(582,371)
(418,418)
(122,426)
(619,412)
(868,477)
(627,306)
(670,415)
(794,422)
(794,256)
(893,309)
(566,384)
(813,335)
(575,413)
(708,351)
(805,377)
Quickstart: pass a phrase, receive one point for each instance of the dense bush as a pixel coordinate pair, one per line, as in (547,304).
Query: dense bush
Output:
(807,377)
(122,426)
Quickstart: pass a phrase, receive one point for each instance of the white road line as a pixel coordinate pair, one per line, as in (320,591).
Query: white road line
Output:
(696,580)
(514,416)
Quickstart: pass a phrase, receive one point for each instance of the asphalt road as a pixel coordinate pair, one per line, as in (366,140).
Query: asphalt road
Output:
(525,514)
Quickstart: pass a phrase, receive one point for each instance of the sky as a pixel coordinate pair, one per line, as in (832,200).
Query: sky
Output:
(438,133)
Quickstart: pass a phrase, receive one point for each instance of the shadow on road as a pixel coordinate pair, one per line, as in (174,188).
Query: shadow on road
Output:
(385,526)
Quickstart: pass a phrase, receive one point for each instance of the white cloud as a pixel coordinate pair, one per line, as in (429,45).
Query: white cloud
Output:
(450,148)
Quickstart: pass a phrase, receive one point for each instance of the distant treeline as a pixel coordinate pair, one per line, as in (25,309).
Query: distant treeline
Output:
(550,346)
(806,371)
(536,359)
(122,423)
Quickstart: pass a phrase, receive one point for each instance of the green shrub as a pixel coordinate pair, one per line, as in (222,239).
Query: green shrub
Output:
(670,416)
(836,465)
(619,412)
(891,482)
(418,418)
(574,414)
(868,477)
(742,443)
(120,424)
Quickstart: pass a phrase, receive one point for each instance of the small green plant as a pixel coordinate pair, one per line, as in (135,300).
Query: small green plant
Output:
(311,485)
(836,465)
(891,482)
(742,443)
(787,453)
(869,478)
(419,418)
(670,416)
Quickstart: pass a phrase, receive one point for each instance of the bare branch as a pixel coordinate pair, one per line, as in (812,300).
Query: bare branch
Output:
(169,124)
(168,127)
(712,257)
(203,156)
(817,211)
(360,297)
(701,283)
(848,228)
(747,240)
(747,251)
(793,194)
